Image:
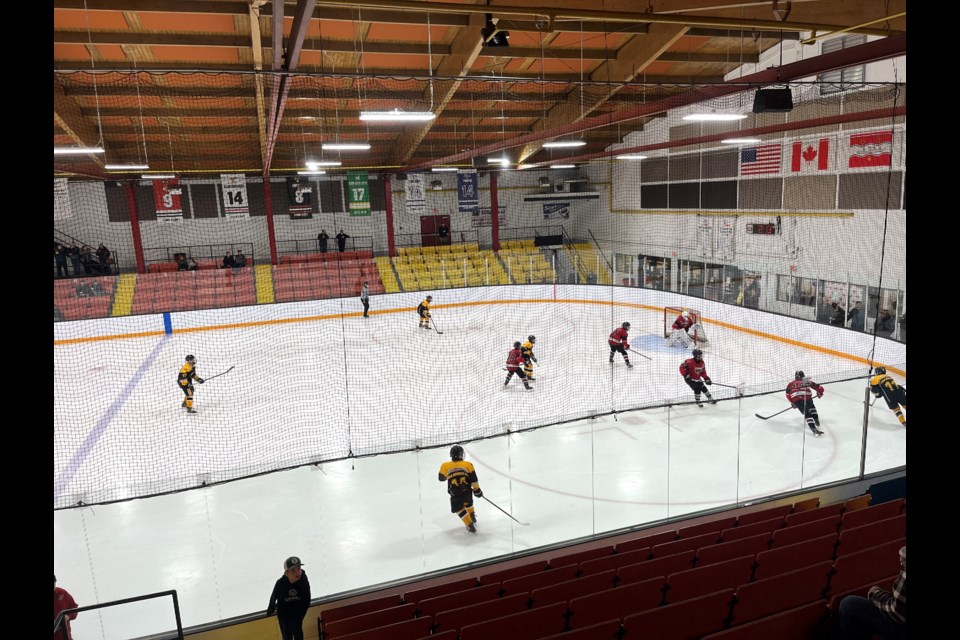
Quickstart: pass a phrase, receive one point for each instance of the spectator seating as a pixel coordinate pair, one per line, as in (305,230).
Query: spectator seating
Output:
(699,590)
(189,290)
(74,306)
(447,266)
(315,276)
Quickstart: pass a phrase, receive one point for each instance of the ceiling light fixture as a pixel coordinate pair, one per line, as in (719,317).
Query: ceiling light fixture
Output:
(492,36)
(503,160)
(740,141)
(313,164)
(311,173)
(713,116)
(76,151)
(158,176)
(442,169)
(126,167)
(558,144)
(397,116)
(563,166)
(632,156)
(345,146)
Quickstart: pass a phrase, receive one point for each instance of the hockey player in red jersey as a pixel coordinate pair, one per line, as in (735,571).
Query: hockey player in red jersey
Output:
(684,321)
(694,373)
(515,362)
(618,343)
(800,394)
(681,330)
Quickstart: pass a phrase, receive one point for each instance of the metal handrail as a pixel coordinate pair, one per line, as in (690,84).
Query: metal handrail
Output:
(312,245)
(213,251)
(57,622)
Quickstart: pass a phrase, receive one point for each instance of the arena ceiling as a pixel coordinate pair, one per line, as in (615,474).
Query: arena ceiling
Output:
(197,86)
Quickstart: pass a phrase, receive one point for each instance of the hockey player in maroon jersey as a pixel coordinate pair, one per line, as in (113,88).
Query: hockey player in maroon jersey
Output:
(684,321)
(694,373)
(618,343)
(515,361)
(800,394)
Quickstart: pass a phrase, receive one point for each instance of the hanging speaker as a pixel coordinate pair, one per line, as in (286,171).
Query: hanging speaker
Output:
(773,101)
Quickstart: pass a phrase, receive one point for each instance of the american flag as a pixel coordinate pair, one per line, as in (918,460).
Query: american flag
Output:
(762,159)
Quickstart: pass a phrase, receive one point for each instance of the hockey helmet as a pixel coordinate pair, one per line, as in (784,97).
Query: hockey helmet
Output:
(626,325)
(532,338)
(685,313)
(516,345)
(456,452)
(697,355)
(429,297)
(880,371)
(191,359)
(799,375)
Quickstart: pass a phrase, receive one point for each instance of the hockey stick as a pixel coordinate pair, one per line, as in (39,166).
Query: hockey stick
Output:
(522,524)
(775,414)
(435,327)
(220,374)
(640,354)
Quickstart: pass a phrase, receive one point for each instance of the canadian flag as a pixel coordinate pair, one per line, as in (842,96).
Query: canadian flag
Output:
(810,155)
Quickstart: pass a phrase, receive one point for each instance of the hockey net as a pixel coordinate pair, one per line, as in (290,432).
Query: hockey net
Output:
(696,332)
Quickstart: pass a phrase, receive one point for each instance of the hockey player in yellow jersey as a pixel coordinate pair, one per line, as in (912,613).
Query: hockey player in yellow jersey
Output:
(423,310)
(188,373)
(528,358)
(882,385)
(462,485)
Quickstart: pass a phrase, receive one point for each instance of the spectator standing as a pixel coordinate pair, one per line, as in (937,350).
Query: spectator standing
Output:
(62,600)
(103,256)
(443,233)
(884,324)
(825,312)
(882,612)
(838,315)
(60,260)
(87,260)
(290,599)
(74,252)
(365,298)
(322,240)
(751,295)
(856,316)
(342,241)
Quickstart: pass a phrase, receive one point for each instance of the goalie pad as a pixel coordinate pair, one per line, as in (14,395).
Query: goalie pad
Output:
(697,334)
(679,336)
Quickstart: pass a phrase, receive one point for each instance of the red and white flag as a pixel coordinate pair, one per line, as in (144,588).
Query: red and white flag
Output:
(810,156)
(872,149)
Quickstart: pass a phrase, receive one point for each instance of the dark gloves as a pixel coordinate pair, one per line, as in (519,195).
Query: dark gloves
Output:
(687,377)
(708,381)
(478,493)
(200,380)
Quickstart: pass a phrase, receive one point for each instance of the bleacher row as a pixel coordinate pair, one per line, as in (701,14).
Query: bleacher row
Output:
(777,573)
(75,307)
(314,276)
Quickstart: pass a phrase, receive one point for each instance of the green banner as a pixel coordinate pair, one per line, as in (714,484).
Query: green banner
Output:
(358,190)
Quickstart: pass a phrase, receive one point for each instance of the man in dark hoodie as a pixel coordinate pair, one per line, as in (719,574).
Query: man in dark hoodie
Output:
(290,599)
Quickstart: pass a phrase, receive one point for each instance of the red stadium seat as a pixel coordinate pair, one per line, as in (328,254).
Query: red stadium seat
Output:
(616,603)
(687,620)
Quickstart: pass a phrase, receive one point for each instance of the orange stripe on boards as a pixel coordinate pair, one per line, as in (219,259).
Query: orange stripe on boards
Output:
(480,303)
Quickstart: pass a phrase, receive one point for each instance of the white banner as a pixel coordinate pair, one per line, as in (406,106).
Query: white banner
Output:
(235,204)
(416,202)
(725,235)
(705,236)
(61,200)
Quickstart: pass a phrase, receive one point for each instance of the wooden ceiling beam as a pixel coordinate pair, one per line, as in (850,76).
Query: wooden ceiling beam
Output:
(69,117)
(631,59)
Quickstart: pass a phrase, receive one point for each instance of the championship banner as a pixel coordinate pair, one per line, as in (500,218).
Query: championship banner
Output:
(235,203)
(166,200)
(556,210)
(481,218)
(705,236)
(300,193)
(467,198)
(61,200)
(725,236)
(416,203)
(358,193)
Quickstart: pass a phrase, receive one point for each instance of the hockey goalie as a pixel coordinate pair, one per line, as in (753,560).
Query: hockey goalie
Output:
(687,331)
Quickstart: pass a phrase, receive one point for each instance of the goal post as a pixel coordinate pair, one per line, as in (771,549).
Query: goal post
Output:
(696,332)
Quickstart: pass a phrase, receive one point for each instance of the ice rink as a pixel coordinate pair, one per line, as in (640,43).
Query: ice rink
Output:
(330,388)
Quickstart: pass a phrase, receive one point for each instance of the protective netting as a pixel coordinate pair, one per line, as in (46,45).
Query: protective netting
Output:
(789,243)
